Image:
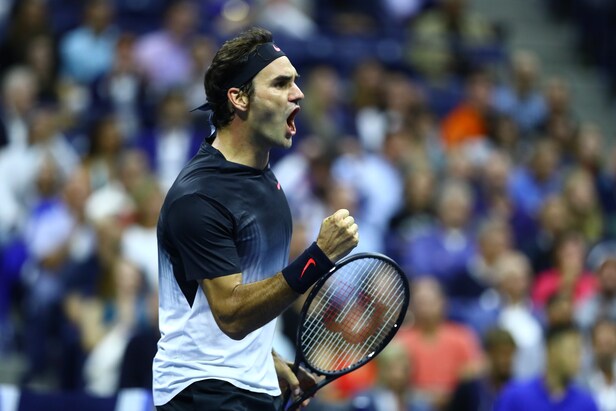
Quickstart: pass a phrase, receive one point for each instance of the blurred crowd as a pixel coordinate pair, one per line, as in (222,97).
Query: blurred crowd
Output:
(458,159)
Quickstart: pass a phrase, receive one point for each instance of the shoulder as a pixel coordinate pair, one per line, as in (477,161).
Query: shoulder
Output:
(458,332)
(517,390)
(583,398)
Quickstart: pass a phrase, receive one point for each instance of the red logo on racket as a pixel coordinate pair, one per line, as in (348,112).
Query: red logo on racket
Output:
(310,261)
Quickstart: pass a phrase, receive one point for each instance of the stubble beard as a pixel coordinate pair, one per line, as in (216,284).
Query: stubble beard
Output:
(269,131)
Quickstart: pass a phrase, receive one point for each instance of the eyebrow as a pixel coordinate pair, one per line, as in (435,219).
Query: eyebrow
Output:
(285,78)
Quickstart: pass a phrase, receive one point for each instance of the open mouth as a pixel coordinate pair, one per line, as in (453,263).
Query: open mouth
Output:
(291,121)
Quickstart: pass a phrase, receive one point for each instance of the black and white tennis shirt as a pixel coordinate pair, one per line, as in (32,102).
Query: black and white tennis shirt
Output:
(218,218)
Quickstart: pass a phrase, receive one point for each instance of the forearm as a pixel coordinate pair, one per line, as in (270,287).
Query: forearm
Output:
(248,307)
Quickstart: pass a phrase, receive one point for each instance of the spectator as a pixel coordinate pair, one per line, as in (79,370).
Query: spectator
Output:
(139,239)
(324,110)
(602,305)
(385,103)
(105,145)
(306,176)
(344,18)
(471,119)
(475,301)
(28,20)
(105,326)
(287,18)
(480,394)
(41,58)
(96,38)
(172,141)
(517,315)
(202,52)
(554,221)
(559,310)
(530,185)
(164,55)
(136,368)
(417,213)
(19,96)
(581,196)
(392,390)
(445,248)
(568,274)
(506,136)
(493,197)
(122,91)
(601,379)
(440,37)
(431,340)
(521,100)
(20,163)
(555,389)
(55,235)
(378,184)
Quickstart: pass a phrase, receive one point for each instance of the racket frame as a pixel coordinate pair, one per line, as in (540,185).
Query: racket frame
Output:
(331,376)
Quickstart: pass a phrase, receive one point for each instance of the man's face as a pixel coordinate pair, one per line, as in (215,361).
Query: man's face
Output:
(501,358)
(274,105)
(564,354)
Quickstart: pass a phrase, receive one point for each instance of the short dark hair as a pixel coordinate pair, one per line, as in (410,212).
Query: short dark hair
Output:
(498,337)
(557,331)
(225,65)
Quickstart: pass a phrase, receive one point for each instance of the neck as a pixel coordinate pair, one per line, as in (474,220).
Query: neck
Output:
(515,299)
(556,385)
(428,327)
(606,367)
(497,381)
(235,144)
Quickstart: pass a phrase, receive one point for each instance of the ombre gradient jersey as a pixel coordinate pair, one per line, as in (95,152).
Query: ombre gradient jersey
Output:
(218,218)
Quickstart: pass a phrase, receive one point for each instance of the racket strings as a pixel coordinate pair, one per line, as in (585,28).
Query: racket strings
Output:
(329,291)
(358,352)
(351,314)
(338,348)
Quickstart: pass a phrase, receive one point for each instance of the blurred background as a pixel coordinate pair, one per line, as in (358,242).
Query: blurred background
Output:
(473,140)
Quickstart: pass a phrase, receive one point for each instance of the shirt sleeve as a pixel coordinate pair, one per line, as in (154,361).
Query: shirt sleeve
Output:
(202,230)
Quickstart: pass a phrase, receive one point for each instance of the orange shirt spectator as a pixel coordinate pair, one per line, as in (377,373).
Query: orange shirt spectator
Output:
(464,123)
(441,353)
(441,359)
(468,121)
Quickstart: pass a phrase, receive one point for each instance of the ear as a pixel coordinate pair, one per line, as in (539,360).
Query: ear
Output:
(238,99)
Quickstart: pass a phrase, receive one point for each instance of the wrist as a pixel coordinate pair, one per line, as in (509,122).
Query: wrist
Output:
(306,269)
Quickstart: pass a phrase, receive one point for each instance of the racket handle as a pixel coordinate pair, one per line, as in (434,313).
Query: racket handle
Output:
(285,400)
(295,404)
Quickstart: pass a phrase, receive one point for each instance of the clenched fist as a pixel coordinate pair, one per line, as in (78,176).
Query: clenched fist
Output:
(338,235)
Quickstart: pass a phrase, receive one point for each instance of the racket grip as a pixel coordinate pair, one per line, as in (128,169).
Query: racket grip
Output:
(285,400)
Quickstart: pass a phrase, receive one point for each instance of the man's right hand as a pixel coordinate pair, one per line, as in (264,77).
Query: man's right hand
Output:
(338,235)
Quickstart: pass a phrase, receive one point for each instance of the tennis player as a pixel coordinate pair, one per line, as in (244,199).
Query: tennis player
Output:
(223,238)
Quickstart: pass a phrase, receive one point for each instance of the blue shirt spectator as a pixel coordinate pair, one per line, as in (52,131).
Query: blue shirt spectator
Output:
(555,389)
(521,99)
(530,186)
(88,51)
(534,395)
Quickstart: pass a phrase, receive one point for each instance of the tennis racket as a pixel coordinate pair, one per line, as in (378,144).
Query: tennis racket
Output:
(350,315)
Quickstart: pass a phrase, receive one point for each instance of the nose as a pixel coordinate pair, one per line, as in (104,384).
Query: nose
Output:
(296,94)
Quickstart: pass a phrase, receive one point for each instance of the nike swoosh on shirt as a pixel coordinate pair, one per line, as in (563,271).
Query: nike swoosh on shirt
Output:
(310,261)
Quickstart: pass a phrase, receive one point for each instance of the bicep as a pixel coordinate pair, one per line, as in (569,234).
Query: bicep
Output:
(219,292)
